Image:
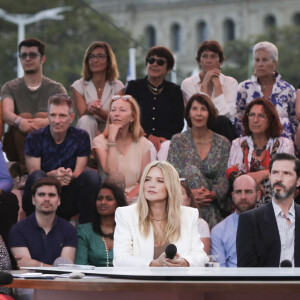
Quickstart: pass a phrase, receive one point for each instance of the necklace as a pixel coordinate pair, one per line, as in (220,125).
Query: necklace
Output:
(155,90)
(34,88)
(158,219)
(106,251)
(259,151)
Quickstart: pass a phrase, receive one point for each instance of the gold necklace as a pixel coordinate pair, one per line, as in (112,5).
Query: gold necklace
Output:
(155,90)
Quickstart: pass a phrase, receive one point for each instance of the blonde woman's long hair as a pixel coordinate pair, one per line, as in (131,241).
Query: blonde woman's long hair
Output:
(135,128)
(174,198)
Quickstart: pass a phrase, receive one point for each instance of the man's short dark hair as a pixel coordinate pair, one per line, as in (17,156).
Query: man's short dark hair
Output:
(33,43)
(50,181)
(286,156)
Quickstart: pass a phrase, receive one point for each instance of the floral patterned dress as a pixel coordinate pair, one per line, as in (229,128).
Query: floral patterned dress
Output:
(209,172)
(283,97)
(4,264)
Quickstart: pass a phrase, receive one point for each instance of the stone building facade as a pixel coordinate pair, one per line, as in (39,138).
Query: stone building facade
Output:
(182,25)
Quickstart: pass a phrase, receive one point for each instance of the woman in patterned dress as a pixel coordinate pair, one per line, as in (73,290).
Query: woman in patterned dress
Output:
(252,153)
(200,156)
(267,83)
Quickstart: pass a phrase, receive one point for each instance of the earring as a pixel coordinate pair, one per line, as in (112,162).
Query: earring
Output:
(274,74)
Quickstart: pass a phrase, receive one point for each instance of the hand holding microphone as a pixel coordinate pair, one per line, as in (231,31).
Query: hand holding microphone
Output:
(173,259)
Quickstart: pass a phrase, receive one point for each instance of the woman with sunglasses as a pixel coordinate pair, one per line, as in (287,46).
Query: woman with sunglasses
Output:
(93,92)
(160,101)
(96,239)
(122,150)
(145,229)
(252,153)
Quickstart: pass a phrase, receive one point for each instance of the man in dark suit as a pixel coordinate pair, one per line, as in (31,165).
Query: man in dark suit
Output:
(270,235)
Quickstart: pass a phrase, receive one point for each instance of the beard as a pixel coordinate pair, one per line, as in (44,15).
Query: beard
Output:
(278,195)
(32,71)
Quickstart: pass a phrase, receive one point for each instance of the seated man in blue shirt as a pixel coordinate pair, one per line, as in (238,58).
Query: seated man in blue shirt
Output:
(43,237)
(61,151)
(223,235)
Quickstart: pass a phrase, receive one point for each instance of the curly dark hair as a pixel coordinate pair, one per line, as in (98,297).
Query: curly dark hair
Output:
(275,127)
(118,195)
(205,100)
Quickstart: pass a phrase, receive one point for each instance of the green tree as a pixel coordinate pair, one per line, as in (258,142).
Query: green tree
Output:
(66,39)
(288,43)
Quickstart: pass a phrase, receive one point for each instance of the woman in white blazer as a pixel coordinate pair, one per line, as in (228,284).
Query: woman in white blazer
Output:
(143,230)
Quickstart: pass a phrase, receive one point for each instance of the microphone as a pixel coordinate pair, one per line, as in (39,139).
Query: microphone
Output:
(286,264)
(5,278)
(171,251)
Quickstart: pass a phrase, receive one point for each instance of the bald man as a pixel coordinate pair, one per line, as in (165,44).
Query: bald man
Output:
(223,236)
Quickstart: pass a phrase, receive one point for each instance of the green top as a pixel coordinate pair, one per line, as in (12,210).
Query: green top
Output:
(91,249)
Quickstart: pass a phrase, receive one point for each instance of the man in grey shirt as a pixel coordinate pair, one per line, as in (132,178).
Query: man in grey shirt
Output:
(25,101)
(269,236)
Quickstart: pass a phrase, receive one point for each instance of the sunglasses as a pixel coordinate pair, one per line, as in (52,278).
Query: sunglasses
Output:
(32,55)
(151,60)
(123,97)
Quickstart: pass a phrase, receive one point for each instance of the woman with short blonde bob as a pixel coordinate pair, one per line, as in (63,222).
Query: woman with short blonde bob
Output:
(143,230)
(122,149)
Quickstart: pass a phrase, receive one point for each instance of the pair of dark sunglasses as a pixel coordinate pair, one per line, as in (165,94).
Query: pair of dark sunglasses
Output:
(151,60)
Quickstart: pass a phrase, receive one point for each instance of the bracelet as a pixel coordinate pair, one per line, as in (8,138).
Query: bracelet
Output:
(18,120)
(111,144)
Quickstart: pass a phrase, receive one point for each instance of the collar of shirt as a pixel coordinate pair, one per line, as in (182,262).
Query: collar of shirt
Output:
(279,213)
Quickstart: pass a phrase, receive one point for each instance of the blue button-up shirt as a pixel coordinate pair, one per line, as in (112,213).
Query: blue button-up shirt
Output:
(223,240)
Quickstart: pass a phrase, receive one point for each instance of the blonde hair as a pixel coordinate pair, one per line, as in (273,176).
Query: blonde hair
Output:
(172,183)
(136,128)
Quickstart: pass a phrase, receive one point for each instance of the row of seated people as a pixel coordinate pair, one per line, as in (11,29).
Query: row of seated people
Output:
(24,100)
(138,235)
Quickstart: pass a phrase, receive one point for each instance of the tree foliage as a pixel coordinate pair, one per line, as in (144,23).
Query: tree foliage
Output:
(288,43)
(66,39)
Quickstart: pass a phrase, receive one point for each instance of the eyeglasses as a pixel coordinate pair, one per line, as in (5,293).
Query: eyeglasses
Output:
(101,57)
(123,97)
(32,55)
(151,60)
(259,116)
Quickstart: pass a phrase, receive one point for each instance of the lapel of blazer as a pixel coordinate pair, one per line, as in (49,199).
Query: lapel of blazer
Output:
(90,90)
(107,93)
(297,236)
(270,234)
(145,247)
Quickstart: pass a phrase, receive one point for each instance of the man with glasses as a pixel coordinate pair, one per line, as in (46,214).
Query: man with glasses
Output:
(24,102)
(61,151)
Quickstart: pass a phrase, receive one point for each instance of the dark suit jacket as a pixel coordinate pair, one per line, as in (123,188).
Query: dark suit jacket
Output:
(258,240)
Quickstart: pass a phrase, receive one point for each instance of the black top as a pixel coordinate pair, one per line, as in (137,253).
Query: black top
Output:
(161,115)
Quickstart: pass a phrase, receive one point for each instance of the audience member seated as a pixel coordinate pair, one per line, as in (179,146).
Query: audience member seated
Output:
(160,101)
(93,92)
(122,148)
(144,230)
(5,264)
(61,151)
(96,239)
(9,206)
(223,235)
(268,236)
(43,238)
(297,138)
(24,102)
(220,88)
(252,153)
(200,156)
(267,83)
(188,200)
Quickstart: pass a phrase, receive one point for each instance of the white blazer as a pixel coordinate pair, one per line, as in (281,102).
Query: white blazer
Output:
(132,249)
